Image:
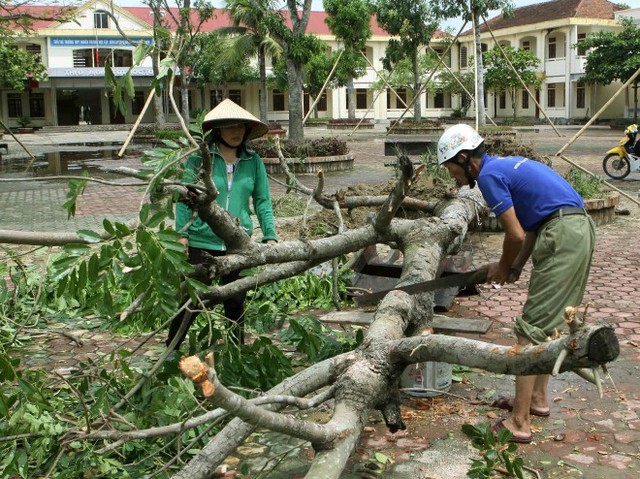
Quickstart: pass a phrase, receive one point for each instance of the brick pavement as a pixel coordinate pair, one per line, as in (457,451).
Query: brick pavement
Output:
(600,438)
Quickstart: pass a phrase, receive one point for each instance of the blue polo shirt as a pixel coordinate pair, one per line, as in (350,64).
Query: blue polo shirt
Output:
(533,189)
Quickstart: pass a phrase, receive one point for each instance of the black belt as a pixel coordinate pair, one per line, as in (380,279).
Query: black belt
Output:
(569,210)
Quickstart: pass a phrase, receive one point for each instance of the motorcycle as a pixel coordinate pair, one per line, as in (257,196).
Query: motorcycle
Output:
(622,160)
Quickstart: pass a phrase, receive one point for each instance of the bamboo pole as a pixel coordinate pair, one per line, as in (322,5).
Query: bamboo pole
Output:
(384,80)
(609,185)
(18,141)
(137,123)
(419,92)
(594,117)
(520,78)
(315,102)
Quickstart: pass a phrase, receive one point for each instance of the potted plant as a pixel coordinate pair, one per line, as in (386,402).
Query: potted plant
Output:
(24,122)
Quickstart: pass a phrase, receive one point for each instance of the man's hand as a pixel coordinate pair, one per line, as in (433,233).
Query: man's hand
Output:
(496,274)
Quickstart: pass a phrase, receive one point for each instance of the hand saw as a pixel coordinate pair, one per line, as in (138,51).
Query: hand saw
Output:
(457,279)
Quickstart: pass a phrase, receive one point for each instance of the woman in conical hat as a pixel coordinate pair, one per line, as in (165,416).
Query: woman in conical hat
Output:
(240,177)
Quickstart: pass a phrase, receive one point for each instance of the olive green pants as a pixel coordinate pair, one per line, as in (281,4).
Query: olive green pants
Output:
(561,262)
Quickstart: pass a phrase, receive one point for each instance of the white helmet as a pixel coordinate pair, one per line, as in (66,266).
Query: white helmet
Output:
(455,139)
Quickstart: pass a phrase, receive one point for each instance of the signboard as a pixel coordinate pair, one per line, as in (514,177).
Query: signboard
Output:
(97,72)
(109,42)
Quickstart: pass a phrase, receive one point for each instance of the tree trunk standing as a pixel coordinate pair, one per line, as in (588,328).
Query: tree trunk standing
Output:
(481,115)
(184,99)
(155,60)
(294,78)
(417,107)
(264,100)
(351,99)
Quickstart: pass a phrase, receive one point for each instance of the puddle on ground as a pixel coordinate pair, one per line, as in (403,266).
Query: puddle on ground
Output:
(75,160)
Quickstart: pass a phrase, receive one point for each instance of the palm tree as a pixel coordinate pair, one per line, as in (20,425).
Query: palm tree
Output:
(250,37)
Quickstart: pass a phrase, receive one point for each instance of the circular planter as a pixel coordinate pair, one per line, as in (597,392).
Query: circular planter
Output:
(601,210)
(416,130)
(311,164)
(349,126)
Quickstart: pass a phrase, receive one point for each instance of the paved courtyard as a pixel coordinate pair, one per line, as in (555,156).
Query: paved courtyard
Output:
(585,436)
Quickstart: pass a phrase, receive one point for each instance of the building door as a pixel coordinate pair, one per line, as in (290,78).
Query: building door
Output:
(79,107)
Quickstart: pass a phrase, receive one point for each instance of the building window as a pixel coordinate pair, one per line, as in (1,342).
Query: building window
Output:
(552,48)
(14,104)
(100,19)
(582,51)
(581,96)
(484,47)
(525,100)
(502,100)
(36,105)
(526,46)
(122,58)
(83,58)
(551,95)
(138,102)
(463,57)
(440,51)
(34,49)
(361,99)
(394,101)
(236,96)
(215,98)
(320,106)
(101,57)
(278,101)
(439,100)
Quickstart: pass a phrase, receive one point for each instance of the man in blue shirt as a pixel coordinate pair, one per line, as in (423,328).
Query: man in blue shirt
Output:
(543,218)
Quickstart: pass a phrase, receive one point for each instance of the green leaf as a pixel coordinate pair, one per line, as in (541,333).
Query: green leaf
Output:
(108,227)
(140,53)
(382,458)
(128,83)
(7,373)
(76,249)
(89,236)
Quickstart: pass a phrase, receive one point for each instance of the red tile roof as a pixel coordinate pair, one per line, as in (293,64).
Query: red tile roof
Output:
(317,24)
(553,10)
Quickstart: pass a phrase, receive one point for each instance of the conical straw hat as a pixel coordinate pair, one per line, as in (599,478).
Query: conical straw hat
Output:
(229,113)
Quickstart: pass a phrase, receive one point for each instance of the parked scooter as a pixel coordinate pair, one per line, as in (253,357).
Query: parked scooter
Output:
(624,158)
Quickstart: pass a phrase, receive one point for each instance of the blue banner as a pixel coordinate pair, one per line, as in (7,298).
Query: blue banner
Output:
(95,41)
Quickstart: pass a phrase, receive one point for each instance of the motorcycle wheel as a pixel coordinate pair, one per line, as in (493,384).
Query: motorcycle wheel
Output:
(616,167)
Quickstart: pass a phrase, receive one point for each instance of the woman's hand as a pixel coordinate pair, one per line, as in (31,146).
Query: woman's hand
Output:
(270,242)
(184,242)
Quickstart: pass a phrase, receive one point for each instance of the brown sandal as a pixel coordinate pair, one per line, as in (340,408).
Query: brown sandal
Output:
(506,403)
(499,426)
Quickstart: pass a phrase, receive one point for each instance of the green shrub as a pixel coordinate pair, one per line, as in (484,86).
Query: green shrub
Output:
(587,186)
(326,146)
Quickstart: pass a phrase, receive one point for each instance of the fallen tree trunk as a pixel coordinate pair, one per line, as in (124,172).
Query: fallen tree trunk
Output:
(371,379)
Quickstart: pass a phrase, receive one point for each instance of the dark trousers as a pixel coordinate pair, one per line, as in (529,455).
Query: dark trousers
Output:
(233,307)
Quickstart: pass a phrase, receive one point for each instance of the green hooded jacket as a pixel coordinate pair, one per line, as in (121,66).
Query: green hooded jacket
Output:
(249,181)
